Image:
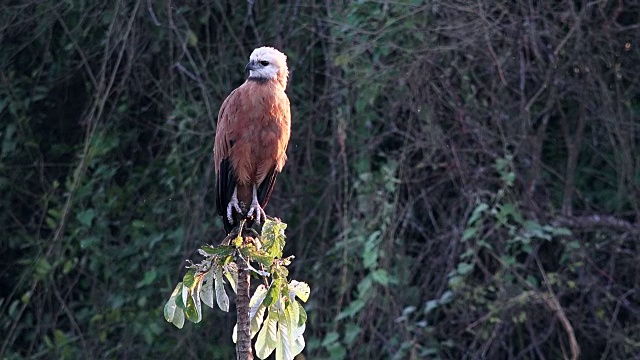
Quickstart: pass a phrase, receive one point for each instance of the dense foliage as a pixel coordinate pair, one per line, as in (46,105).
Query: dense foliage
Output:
(463,177)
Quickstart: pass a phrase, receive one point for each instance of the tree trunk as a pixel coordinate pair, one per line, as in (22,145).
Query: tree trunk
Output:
(243,345)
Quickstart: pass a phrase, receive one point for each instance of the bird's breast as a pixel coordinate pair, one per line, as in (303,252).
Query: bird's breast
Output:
(260,134)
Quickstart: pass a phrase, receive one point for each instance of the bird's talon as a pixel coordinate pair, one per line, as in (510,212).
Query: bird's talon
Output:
(229,214)
(259,213)
(233,204)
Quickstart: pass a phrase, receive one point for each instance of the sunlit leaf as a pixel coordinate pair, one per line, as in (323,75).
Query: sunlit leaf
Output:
(189,279)
(273,237)
(172,312)
(273,293)
(206,292)
(221,295)
(234,334)
(302,319)
(299,289)
(257,309)
(293,313)
(257,299)
(285,336)
(231,273)
(267,337)
(182,299)
(257,320)
(191,310)
(290,339)
(259,272)
(259,256)
(298,344)
(195,295)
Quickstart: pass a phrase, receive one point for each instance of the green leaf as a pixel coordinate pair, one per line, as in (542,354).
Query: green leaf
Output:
(260,256)
(273,293)
(351,332)
(191,310)
(286,329)
(370,257)
(149,277)
(221,250)
(195,295)
(464,268)
(302,319)
(192,38)
(42,268)
(138,224)
(257,299)
(257,319)
(558,231)
(371,250)
(257,309)
(267,337)
(365,286)
(337,351)
(330,338)
(298,345)
(353,308)
(231,273)
(508,210)
(477,212)
(206,292)
(508,260)
(189,279)
(299,289)
(89,242)
(182,299)
(469,233)
(8,144)
(172,312)
(221,295)
(86,217)
(298,328)
(381,276)
(574,245)
(273,237)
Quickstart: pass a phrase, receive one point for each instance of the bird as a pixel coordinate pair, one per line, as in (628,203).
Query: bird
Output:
(252,135)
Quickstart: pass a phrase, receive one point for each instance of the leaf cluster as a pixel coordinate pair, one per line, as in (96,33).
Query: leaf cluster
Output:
(285,322)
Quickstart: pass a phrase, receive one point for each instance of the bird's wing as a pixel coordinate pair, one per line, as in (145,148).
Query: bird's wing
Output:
(225,179)
(266,187)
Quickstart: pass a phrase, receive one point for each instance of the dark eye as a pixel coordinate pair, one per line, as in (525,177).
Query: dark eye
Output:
(264,63)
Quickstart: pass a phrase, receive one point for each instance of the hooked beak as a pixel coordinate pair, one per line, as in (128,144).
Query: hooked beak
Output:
(250,66)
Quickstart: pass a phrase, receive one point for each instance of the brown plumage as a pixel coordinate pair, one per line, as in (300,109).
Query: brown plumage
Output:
(251,139)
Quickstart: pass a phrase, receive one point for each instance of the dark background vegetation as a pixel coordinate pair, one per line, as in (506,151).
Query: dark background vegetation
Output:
(463,178)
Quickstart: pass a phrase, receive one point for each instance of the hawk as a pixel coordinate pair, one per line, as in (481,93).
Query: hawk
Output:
(254,125)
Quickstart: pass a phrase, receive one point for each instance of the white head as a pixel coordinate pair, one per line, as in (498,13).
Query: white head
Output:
(267,63)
